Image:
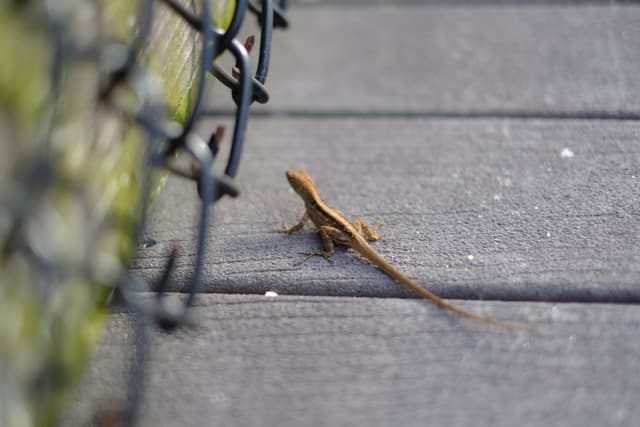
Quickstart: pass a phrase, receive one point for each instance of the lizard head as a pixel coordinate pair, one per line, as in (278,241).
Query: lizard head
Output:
(301,182)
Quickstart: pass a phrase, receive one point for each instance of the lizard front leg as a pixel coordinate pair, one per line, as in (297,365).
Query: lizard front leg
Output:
(371,234)
(328,235)
(296,227)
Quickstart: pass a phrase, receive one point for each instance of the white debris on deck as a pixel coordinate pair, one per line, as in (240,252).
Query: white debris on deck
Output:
(566,153)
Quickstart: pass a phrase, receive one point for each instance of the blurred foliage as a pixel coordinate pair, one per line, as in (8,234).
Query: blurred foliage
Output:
(71,173)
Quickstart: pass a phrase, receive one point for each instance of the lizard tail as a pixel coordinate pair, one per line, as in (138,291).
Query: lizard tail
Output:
(375,258)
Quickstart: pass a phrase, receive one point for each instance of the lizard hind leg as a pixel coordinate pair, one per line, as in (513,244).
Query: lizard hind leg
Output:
(327,253)
(311,254)
(369,233)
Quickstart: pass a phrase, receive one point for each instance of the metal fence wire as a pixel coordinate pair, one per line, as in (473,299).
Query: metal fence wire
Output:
(120,68)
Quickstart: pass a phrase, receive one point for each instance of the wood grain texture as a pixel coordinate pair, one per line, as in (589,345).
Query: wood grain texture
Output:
(321,361)
(479,203)
(485,209)
(492,57)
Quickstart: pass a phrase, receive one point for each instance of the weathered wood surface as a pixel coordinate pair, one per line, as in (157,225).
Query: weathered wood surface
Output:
(321,361)
(449,123)
(511,57)
(537,225)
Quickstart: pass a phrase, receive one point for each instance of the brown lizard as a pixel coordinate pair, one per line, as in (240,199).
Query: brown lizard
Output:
(334,228)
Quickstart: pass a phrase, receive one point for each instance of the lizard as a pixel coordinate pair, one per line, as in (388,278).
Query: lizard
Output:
(334,228)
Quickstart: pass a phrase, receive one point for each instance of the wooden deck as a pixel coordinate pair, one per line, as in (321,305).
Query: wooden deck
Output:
(501,144)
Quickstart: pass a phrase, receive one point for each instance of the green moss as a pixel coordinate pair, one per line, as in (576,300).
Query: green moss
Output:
(23,74)
(50,323)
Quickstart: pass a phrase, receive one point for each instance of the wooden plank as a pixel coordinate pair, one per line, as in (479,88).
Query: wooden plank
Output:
(321,361)
(488,209)
(493,57)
